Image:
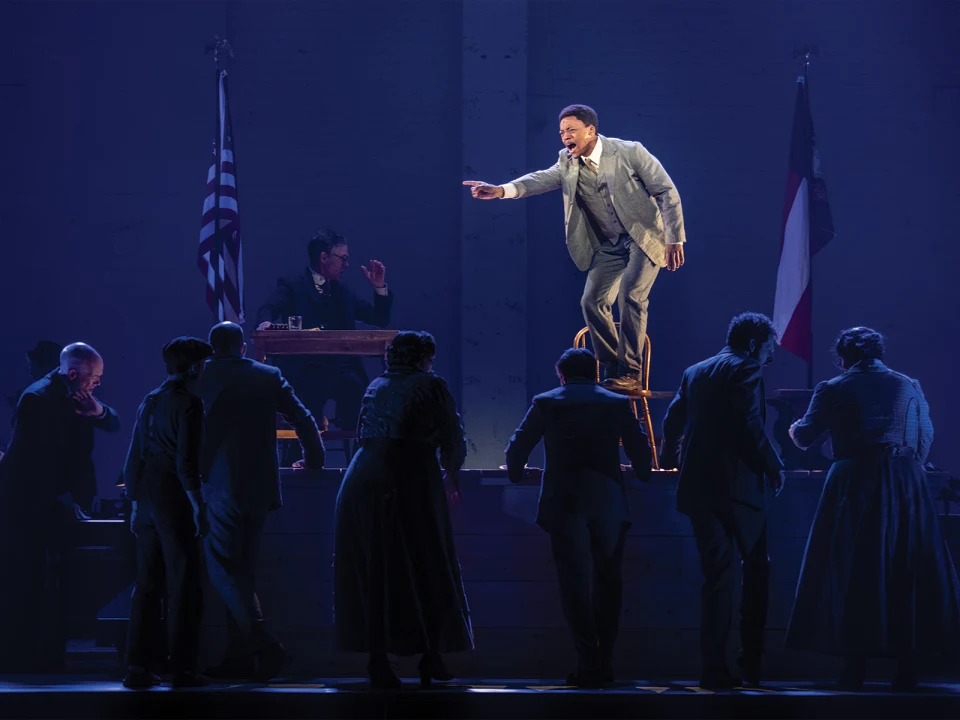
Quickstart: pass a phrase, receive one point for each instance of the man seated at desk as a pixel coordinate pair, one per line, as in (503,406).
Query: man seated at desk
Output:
(322,301)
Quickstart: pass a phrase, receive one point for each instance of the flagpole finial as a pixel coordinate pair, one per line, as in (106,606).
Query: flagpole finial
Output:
(805,51)
(221,48)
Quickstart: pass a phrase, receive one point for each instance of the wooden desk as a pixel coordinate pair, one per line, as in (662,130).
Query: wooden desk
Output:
(363,343)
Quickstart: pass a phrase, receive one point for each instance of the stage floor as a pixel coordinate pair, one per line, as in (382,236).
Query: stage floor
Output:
(101,697)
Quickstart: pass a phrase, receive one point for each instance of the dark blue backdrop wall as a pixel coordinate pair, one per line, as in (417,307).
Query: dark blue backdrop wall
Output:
(351,114)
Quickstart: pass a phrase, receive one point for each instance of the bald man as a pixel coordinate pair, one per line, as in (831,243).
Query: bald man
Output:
(242,399)
(47,480)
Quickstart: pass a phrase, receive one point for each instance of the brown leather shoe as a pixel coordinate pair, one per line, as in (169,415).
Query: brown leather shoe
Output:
(625,383)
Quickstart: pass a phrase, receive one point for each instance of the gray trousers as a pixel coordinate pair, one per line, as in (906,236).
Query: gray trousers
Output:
(623,271)
(232,547)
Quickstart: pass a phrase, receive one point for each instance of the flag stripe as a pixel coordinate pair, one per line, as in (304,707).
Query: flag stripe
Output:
(219,255)
(807,227)
(793,274)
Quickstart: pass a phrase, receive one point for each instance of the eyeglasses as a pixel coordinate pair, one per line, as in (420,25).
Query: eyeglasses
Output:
(343,258)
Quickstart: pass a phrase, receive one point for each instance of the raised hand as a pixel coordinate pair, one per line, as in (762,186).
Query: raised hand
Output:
(484,191)
(87,404)
(376,273)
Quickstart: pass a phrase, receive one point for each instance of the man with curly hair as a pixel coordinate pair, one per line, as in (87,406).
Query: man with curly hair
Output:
(714,431)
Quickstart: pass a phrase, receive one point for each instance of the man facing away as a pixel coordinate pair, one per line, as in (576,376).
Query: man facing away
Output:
(162,479)
(623,223)
(242,398)
(583,501)
(715,430)
(322,301)
(47,480)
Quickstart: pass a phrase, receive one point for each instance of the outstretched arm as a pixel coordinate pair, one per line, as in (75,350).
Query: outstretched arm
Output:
(674,425)
(275,309)
(533,183)
(296,414)
(523,442)
(635,443)
(811,427)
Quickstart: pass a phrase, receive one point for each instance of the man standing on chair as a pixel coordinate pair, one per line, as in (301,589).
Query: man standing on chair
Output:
(623,223)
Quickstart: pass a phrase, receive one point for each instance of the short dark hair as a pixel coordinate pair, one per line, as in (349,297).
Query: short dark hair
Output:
(226,338)
(577,364)
(181,353)
(859,343)
(584,113)
(749,326)
(323,242)
(410,348)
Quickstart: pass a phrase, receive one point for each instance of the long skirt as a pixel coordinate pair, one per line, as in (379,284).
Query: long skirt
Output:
(397,583)
(877,577)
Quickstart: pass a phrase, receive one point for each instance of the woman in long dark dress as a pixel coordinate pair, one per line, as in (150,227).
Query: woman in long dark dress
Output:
(397,585)
(877,578)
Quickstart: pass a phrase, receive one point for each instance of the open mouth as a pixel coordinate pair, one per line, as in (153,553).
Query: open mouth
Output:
(571,146)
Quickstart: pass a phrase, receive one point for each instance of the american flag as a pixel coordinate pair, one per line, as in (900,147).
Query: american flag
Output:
(807,228)
(220,257)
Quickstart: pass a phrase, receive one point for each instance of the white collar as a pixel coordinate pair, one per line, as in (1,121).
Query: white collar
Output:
(597,152)
(318,279)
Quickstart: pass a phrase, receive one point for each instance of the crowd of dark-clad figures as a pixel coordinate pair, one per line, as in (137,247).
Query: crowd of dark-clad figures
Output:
(201,476)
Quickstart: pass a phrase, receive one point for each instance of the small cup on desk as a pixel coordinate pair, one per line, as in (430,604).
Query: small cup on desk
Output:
(295,322)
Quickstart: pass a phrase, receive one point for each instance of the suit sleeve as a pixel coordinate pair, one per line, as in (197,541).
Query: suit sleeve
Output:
(761,456)
(925,425)
(806,431)
(297,415)
(109,421)
(277,307)
(539,182)
(523,441)
(189,441)
(674,426)
(376,313)
(635,443)
(661,188)
(453,444)
(133,465)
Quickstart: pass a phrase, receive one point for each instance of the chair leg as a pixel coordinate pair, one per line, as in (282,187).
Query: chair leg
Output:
(648,422)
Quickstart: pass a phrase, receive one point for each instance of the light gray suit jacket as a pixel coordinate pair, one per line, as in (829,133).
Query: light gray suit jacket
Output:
(644,197)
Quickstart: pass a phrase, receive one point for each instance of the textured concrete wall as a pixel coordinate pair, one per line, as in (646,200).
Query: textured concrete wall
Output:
(494,233)
(352,114)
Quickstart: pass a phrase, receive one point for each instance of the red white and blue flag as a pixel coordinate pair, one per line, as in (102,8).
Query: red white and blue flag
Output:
(807,228)
(220,257)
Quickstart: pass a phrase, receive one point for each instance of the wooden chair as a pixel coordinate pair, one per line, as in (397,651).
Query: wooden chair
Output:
(643,395)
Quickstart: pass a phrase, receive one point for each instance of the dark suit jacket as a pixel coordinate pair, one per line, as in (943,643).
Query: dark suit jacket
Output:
(51,450)
(166,442)
(715,426)
(239,458)
(581,425)
(297,295)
